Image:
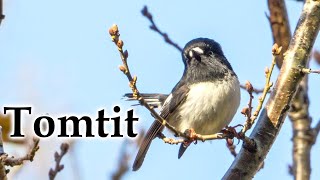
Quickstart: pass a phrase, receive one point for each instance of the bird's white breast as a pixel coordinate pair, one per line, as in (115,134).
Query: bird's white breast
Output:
(209,106)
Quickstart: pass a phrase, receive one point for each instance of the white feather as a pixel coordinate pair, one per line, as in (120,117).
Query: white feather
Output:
(198,50)
(209,107)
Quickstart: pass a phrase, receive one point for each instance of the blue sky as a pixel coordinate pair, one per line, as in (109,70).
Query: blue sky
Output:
(57,56)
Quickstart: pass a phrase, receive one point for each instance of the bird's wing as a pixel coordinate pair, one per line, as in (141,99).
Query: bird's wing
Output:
(153,99)
(171,103)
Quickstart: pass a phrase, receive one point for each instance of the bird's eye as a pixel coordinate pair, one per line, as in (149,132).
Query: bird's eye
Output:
(210,53)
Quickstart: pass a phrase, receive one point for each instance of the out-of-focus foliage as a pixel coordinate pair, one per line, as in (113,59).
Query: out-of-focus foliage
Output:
(6,123)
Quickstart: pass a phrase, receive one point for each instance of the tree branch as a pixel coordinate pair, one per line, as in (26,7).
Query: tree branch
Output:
(302,133)
(12,161)
(280,26)
(58,157)
(255,90)
(268,72)
(316,56)
(5,160)
(272,117)
(1,11)
(154,27)
(115,37)
(299,112)
(123,166)
(3,171)
(166,38)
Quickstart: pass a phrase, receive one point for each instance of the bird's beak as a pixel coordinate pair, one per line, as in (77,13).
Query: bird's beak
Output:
(195,55)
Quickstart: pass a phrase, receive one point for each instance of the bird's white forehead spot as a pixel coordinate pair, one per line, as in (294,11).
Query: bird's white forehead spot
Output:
(197,50)
(191,53)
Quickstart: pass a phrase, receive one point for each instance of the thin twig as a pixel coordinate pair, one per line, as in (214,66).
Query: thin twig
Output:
(250,121)
(125,156)
(57,157)
(123,166)
(153,26)
(1,11)
(114,33)
(5,160)
(3,171)
(308,71)
(255,90)
(231,147)
(247,111)
(12,161)
(200,137)
(302,138)
(316,56)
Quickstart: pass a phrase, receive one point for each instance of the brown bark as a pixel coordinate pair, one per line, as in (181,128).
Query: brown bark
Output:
(272,117)
(302,132)
(303,136)
(279,25)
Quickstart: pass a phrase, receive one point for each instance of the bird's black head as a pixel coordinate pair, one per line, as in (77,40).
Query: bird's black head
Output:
(201,46)
(204,60)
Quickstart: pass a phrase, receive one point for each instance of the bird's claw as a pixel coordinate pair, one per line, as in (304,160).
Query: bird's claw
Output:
(232,133)
(192,137)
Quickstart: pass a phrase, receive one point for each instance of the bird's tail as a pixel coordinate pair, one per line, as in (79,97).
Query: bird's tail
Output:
(153,99)
(182,149)
(155,128)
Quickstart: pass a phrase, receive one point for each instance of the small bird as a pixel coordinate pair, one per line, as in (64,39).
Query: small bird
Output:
(204,100)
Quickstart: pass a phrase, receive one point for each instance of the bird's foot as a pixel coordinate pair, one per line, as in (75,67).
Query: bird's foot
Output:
(192,137)
(232,133)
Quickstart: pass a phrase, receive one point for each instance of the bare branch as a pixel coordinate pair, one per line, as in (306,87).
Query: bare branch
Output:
(114,33)
(57,157)
(5,160)
(308,71)
(153,26)
(255,90)
(221,135)
(302,133)
(166,38)
(3,171)
(247,111)
(298,114)
(1,11)
(125,156)
(250,121)
(272,117)
(280,26)
(123,166)
(316,56)
(12,161)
